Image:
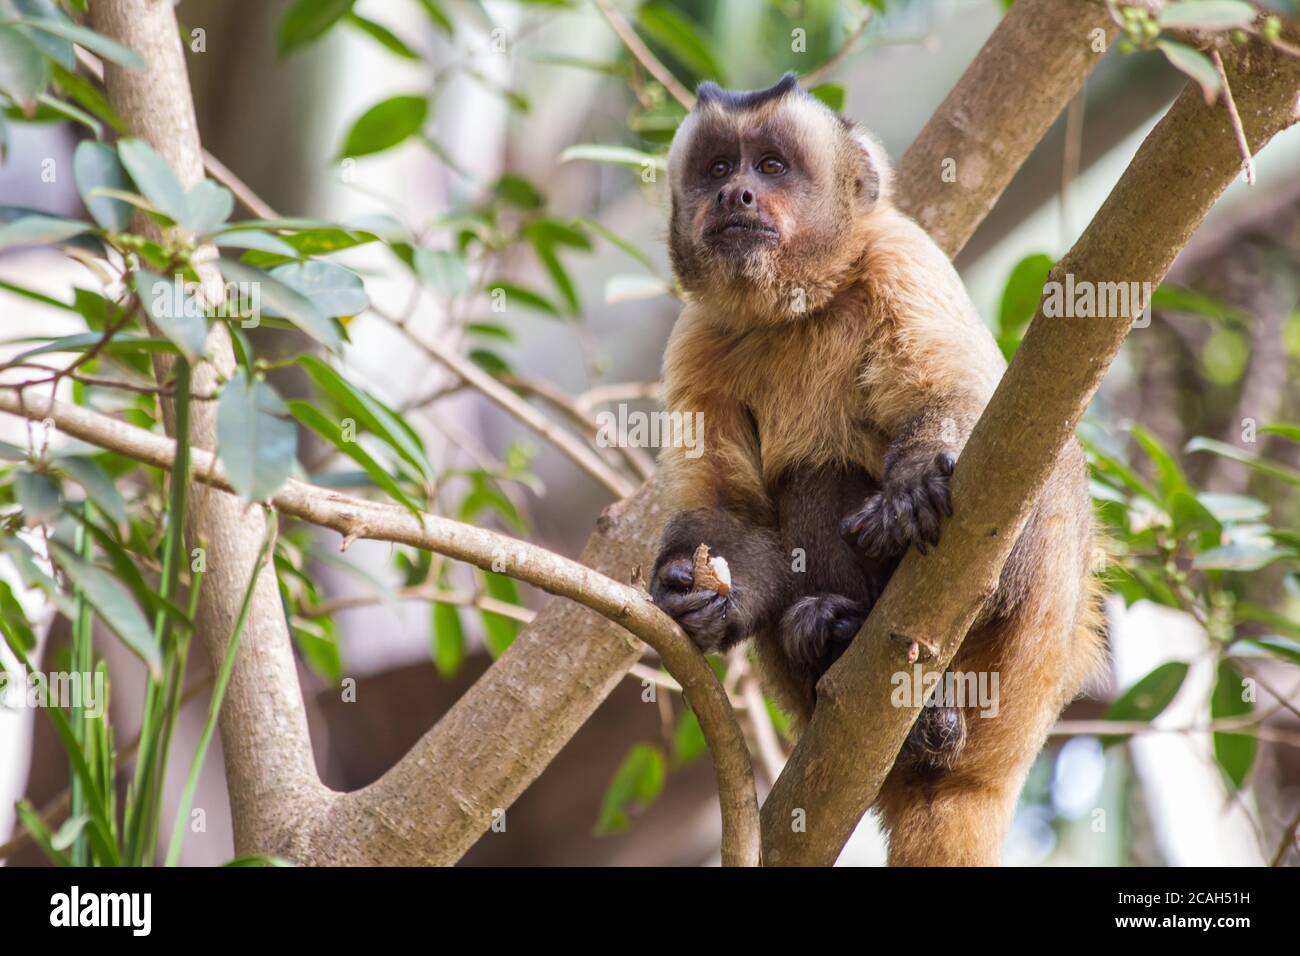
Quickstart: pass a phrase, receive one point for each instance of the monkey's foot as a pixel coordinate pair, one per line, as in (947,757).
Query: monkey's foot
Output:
(936,739)
(702,614)
(907,510)
(815,630)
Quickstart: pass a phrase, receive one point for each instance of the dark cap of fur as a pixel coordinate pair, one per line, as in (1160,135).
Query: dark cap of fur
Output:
(747,99)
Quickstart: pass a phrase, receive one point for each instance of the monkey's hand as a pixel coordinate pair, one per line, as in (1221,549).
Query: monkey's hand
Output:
(702,613)
(905,511)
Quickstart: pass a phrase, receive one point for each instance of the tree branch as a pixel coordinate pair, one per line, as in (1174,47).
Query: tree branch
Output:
(1190,157)
(270,768)
(623,30)
(567,661)
(359,823)
(1036,60)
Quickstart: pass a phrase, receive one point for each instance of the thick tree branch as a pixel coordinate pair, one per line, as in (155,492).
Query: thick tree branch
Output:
(1190,157)
(359,826)
(1036,60)
(270,768)
(569,658)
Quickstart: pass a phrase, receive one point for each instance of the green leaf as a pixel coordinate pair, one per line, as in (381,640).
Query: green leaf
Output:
(154,178)
(57,50)
(1289,432)
(312,417)
(1280,648)
(96,166)
(207,207)
(15,627)
(1148,698)
(1228,508)
(636,784)
(1020,298)
(442,271)
(182,322)
(98,486)
(832,94)
(518,192)
(681,38)
(34,824)
(619,155)
(1195,64)
(1235,752)
(1250,459)
(307,20)
(499,632)
(256,240)
(280,300)
(448,639)
(258,860)
(39,230)
(39,496)
(319,645)
(333,290)
(1169,477)
(24,71)
(69,832)
(439,16)
(616,240)
(113,603)
(256,442)
(382,35)
(370,413)
(385,125)
(1238,557)
(510,294)
(96,43)
(1206,14)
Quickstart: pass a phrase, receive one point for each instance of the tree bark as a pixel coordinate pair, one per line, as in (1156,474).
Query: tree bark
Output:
(270,769)
(855,734)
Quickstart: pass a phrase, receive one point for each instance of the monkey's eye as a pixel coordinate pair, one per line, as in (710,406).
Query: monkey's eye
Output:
(719,169)
(771,166)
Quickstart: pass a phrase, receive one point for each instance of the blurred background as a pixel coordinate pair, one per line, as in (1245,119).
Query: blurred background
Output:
(506,89)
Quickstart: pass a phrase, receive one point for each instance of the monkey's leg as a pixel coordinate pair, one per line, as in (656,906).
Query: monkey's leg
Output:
(1012,676)
(815,630)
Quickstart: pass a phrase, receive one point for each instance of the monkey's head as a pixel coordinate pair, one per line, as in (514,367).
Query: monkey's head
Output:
(770,189)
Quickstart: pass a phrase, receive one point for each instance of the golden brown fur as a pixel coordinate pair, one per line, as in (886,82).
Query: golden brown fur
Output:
(883,362)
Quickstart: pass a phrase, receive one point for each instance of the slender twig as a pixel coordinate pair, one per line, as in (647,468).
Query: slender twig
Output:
(1234,117)
(1290,837)
(421,593)
(356,518)
(618,23)
(468,372)
(814,76)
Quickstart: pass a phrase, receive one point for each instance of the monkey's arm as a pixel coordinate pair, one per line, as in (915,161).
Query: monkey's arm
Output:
(926,388)
(719,491)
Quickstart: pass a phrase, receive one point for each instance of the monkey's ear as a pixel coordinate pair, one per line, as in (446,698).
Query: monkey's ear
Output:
(875,175)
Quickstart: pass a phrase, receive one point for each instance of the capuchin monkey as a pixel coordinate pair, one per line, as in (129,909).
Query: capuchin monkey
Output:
(840,367)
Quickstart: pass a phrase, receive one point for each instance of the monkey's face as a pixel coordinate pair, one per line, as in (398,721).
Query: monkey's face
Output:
(766,188)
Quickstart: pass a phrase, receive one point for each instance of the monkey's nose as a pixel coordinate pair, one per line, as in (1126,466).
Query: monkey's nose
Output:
(746,197)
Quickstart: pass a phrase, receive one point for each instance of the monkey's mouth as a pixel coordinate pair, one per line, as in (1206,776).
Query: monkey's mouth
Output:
(736,230)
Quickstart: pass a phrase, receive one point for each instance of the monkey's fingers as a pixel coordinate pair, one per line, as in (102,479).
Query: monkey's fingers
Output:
(675,575)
